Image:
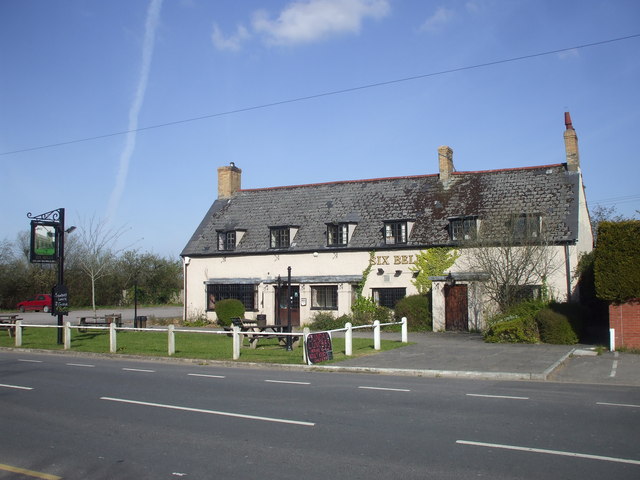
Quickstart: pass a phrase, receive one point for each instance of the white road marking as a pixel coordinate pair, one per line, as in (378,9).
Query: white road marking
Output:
(80,365)
(30,361)
(385,389)
(508,397)
(549,452)
(618,404)
(138,370)
(614,367)
(288,382)
(211,412)
(203,375)
(17,387)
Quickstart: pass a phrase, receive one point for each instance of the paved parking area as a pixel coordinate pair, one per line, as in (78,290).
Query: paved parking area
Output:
(467,355)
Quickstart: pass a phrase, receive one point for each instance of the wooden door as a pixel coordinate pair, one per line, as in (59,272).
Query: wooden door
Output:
(281,313)
(456,308)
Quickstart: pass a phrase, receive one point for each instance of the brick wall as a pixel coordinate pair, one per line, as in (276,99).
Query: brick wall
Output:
(625,319)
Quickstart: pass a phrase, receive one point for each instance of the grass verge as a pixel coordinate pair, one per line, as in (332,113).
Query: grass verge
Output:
(188,345)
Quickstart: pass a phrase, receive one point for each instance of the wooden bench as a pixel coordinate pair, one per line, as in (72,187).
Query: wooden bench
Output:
(250,326)
(100,320)
(7,321)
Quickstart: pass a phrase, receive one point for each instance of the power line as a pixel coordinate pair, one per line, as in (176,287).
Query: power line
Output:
(325,94)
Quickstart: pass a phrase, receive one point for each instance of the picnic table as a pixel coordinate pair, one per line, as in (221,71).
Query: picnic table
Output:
(100,320)
(249,326)
(6,321)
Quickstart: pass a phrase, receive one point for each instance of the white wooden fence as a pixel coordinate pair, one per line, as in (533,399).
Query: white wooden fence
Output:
(236,334)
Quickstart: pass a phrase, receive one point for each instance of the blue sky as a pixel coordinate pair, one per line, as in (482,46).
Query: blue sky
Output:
(78,69)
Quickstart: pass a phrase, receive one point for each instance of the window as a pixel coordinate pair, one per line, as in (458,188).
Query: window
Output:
(388,297)
(337,234)
(395,233)
(246,293)
(526,226)
(227,240)
(521,293)
(280,237)
(324,297)
(463,228)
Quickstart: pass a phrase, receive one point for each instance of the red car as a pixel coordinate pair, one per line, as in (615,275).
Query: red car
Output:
(37,303)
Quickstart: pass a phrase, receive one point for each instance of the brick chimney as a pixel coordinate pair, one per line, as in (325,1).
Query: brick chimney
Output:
(571,145)
(228,180)
(445,162)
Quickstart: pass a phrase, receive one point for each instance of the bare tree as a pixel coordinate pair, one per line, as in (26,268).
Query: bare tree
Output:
(515,260)
(96,251)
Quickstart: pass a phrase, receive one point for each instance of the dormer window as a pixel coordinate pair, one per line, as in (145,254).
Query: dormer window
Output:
(228,240)
(337,234)
(281,237)
(396,233)
(463,228)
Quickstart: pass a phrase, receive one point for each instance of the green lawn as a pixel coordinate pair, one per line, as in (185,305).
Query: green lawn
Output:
(188,345)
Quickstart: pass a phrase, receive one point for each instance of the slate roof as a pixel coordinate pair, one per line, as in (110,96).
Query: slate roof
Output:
(547,190)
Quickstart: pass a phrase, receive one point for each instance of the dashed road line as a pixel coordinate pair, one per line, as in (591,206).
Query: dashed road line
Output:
(288,382)
(15,387)
(508,397)
(211,412)
(138,370)
(618,404)
(549,452)
(80,365)
(29,361)
(385,389)
(205,375)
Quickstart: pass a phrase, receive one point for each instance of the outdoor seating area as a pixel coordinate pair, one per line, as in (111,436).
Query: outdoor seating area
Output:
(7,321)
(100,320)
(265,331)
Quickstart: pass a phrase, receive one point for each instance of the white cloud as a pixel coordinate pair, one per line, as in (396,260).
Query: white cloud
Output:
(232,42)
(438,20)
(312,20)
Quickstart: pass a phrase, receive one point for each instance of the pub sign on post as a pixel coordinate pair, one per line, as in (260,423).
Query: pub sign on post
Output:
(44,242)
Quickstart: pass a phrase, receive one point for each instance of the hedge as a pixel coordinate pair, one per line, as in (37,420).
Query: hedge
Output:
(417,309)
(617,257)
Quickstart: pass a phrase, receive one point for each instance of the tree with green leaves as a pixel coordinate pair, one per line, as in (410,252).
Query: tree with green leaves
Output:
(430,263)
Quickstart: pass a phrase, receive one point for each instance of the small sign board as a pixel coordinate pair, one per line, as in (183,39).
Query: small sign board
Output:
(319,347)
(60,300)
(44,242)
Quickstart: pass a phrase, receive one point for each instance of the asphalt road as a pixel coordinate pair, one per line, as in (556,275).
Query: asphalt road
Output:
(101,418)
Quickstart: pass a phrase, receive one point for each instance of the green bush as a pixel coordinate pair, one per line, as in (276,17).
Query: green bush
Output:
(513,330)
(228,309)
(555,328)
(326,321)
(578,315)
(417,309)
(617,253)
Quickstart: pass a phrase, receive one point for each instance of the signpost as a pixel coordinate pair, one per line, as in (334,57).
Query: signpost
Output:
(47,246)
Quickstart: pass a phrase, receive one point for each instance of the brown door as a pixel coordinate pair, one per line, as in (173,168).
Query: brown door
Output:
(281,307)
(456,308)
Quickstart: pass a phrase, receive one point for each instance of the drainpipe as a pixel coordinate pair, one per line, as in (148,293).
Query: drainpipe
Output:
(184,279)
(567,263)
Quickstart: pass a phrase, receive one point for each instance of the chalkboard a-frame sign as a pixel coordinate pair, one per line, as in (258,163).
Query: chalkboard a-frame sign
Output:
(319,347)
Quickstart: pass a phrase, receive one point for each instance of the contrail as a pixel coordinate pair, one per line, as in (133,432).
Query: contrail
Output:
(151,24)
